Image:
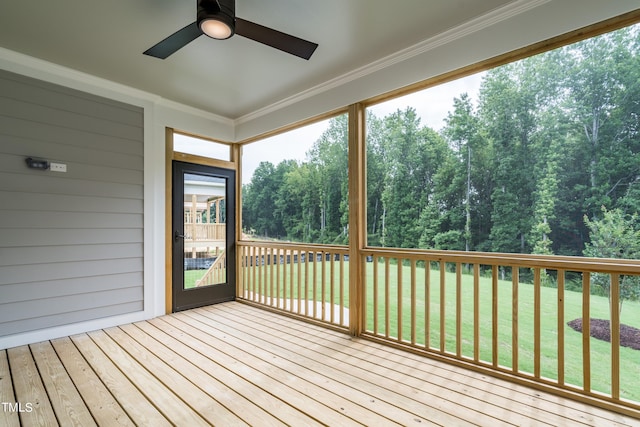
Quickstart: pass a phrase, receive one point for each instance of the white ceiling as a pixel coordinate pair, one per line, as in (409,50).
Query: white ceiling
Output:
(235,77)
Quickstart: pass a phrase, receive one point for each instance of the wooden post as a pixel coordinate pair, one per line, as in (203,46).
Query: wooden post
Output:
(168,238)
(357,215)
(236,158)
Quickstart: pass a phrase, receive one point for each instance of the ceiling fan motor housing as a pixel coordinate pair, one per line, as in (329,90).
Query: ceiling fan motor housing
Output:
(220,10)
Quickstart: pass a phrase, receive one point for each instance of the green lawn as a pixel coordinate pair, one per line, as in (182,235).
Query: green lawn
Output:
(600,350)
(191,277)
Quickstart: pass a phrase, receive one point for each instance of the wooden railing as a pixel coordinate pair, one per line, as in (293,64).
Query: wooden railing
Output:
(506,314)
(204,232)
(217,273)
(308,280)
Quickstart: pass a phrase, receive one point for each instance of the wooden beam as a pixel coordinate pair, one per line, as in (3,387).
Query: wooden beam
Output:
(357,215)
(168,235)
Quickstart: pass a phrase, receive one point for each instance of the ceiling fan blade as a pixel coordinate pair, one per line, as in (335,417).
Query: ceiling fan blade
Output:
(274,38)
(175,41)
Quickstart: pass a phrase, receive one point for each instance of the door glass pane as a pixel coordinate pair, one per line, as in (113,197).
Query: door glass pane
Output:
(204,215)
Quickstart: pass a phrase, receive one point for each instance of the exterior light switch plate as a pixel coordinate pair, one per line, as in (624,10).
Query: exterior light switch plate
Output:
(58,167)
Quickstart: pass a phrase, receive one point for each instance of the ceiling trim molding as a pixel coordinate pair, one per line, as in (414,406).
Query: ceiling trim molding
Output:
(54,73)
(463,30)
(193,111)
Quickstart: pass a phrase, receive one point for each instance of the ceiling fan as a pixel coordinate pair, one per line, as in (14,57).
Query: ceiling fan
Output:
(217,19)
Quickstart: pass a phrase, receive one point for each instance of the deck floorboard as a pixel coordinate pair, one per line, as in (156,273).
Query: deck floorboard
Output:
(235,364)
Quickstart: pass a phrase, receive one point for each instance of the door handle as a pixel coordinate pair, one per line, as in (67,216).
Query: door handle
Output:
(177,236)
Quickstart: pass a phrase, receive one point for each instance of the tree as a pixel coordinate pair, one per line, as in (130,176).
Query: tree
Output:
(544,209)
(376,170)
(258,208)
(507,109)
(463,133)
(297,203)
(412,155)
(602,81)
(329,157)
(546,193)
(615,235)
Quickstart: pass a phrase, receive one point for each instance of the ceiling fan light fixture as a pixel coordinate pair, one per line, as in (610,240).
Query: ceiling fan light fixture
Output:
(217,27)
(217,19)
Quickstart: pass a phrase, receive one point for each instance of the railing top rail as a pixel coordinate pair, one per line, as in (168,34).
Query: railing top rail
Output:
(296,246)
(552,262)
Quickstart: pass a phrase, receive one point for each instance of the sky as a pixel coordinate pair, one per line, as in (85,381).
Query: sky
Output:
(432,106)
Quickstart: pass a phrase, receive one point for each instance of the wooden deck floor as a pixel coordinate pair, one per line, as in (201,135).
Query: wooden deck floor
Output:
(233,364)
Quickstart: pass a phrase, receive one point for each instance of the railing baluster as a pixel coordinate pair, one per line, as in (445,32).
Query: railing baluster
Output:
(536,322)
(264,270)
(443,267)
(271,278)
(515,283)
(413,301)
(242,276)
(375,295)
(332,282)
(306,281)
(285,278)
(387,285)
(476,312)
(247,273)
(458,309)
(299,281)
(315,285)
(342,289)
(323,286)
(278,297)
(615,335)
(427,303)
(246,276)
(260,275)
(560,327)
(399,304)
(494,316)
(291,280)
(586,331)
(255,274)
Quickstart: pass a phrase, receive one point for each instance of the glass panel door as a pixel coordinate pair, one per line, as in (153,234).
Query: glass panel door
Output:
(203,237)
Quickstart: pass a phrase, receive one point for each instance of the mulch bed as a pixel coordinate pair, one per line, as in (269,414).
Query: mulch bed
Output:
(629,336)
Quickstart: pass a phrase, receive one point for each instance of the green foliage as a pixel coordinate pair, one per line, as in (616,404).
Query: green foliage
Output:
(615,235)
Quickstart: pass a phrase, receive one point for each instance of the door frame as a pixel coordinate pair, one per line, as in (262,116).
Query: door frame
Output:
(170,156)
